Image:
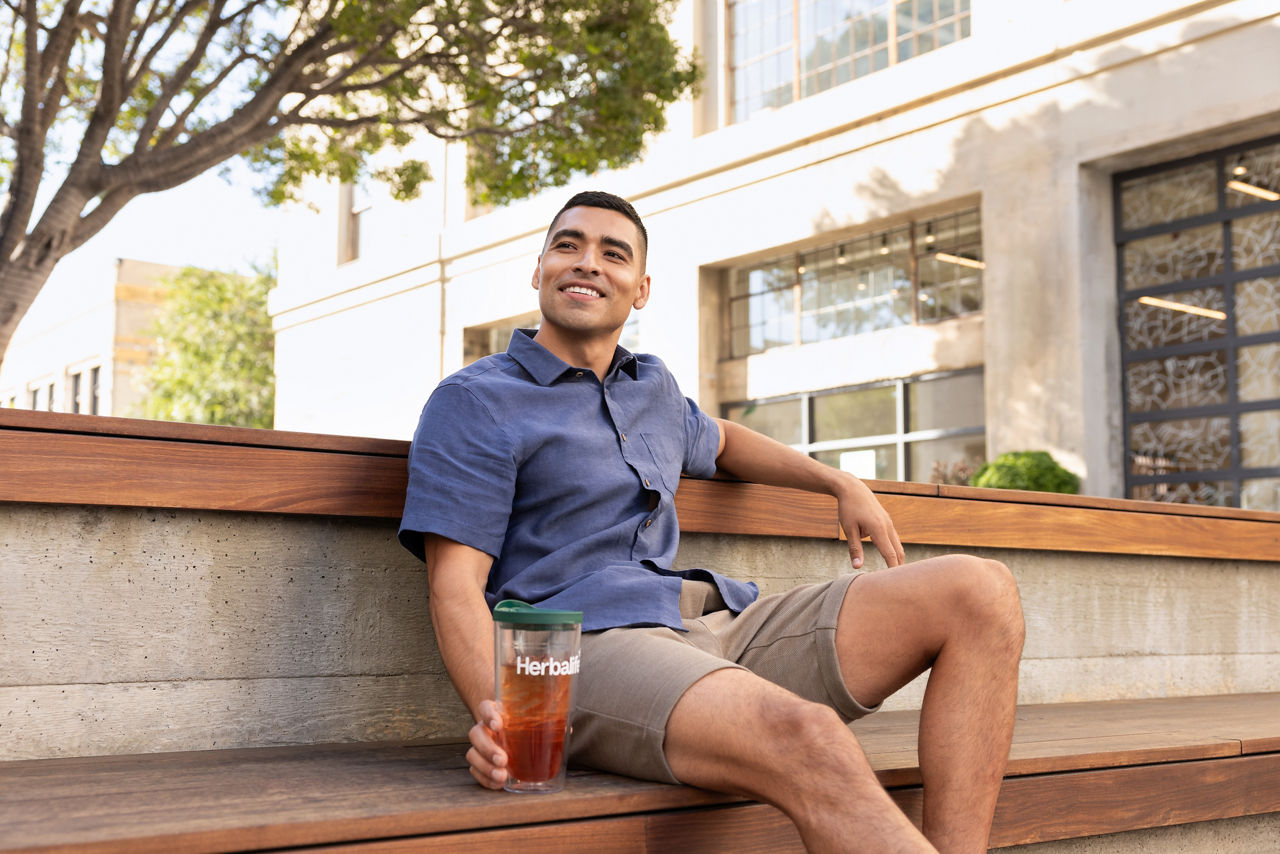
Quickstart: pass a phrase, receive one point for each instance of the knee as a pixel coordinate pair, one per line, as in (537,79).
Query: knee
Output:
(802,728)
(987,597)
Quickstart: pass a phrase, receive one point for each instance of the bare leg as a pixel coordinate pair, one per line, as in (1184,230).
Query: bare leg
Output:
(961,616)
(735,732)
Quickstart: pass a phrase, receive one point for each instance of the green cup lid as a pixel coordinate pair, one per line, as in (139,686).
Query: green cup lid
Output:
(515,611)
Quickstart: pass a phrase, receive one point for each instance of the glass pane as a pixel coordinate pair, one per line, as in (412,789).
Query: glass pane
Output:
(779,420)
(866,412)
(1210,493)
(946,460)
(1174,257)
(1253,176)
(1258,372)
(1168,196)
(1261,494)
(944,403)
(1258,306)
(1175,382)
(1185,444)
(1177,318)
(878,463)
(1260,439)
(1255,241)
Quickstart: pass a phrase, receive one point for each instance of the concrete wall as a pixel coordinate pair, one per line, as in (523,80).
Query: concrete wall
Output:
(125,630)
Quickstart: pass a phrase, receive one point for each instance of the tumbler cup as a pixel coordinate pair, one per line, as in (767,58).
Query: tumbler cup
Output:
(536,652)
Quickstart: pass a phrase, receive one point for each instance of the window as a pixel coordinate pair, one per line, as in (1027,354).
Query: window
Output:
(918,273)
(75,392)
(1199,284)
(784,50)
(481,341)
(929,429)
(48,400)
(94,390)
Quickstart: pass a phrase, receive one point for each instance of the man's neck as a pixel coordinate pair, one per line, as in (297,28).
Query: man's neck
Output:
(594,352)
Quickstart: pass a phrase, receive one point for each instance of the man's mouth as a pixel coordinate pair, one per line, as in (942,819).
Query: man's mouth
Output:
(584,290)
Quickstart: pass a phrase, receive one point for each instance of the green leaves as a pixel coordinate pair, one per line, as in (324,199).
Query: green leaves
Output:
(1033,470)
(215,351)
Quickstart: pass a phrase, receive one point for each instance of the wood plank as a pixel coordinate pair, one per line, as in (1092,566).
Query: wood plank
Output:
(94,461)
(731,507)
(321,794)
(1020,496)
(106,425)
(990,524)
(1042,808)
(152,473)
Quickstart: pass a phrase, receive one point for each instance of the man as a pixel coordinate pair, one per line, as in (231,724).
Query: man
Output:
(547,473)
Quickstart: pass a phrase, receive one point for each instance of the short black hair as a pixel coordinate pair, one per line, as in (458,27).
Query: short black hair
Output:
(608,201)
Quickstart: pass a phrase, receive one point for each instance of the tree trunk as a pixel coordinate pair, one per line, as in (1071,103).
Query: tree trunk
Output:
(19,285)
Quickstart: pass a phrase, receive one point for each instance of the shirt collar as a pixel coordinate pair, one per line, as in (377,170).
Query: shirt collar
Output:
(545,367)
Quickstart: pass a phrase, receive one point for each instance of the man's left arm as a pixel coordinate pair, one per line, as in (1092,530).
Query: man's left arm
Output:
(751,456)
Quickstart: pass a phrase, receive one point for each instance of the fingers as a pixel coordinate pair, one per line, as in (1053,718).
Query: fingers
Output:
(486,758)
(855,552)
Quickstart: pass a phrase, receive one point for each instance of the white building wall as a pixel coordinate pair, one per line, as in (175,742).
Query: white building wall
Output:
(1028,118)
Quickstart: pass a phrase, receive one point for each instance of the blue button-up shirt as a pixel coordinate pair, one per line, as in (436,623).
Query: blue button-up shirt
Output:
(568,483)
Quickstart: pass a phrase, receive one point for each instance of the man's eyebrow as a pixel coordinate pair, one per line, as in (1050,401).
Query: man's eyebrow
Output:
(618,243)
(577,234)
(568,232)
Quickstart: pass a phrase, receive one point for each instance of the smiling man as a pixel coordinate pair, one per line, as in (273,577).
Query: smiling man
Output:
(548,473)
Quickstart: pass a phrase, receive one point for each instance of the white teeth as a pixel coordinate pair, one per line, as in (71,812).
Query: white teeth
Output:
(578,289)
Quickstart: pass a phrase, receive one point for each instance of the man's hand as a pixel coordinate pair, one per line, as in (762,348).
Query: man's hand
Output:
(861,515)
(486,757)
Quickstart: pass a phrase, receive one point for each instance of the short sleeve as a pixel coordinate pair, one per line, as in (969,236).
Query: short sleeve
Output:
(462,474)
(702,441)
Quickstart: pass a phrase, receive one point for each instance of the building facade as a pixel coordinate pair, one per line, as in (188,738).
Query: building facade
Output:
(902,236)
(87,352)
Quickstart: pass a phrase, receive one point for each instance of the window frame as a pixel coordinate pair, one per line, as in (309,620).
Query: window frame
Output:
(918,242)
(901,439)
(1229,343)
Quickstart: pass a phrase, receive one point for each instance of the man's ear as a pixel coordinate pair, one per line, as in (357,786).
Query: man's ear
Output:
(642,296)
(537,273)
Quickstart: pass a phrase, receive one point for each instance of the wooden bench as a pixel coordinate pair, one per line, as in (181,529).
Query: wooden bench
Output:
(1077,768)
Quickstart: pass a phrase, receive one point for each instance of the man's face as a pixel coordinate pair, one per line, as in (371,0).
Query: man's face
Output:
(591,273)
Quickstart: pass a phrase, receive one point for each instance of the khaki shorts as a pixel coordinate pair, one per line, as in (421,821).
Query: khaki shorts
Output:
(632,677)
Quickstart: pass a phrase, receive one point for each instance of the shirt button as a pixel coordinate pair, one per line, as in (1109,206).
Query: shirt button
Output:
(624,436)
(646,481)
(578,374)
(648,522)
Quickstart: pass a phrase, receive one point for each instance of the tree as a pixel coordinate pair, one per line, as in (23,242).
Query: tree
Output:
(215,351)
(104,100)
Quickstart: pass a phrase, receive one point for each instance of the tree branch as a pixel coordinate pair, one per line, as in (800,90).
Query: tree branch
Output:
(52,82)
(180,76)
(135,72)
(155,12)
(179,123)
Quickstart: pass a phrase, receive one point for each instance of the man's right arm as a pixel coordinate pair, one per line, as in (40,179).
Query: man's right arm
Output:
(456,575)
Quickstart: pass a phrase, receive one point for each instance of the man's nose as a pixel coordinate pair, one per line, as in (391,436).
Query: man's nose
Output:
(588,261)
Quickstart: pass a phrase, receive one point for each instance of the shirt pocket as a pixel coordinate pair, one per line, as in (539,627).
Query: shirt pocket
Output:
(667,454)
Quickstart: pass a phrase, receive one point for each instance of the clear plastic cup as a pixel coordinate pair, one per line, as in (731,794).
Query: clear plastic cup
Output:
(536,653)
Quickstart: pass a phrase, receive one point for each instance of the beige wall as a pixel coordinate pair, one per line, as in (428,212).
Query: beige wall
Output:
(1029,118)
(125,630)
(104,325)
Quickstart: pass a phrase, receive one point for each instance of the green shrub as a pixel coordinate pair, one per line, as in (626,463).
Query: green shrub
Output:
(1033,470)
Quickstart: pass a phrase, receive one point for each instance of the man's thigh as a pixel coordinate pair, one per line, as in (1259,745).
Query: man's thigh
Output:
(630,681)
(893,622)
